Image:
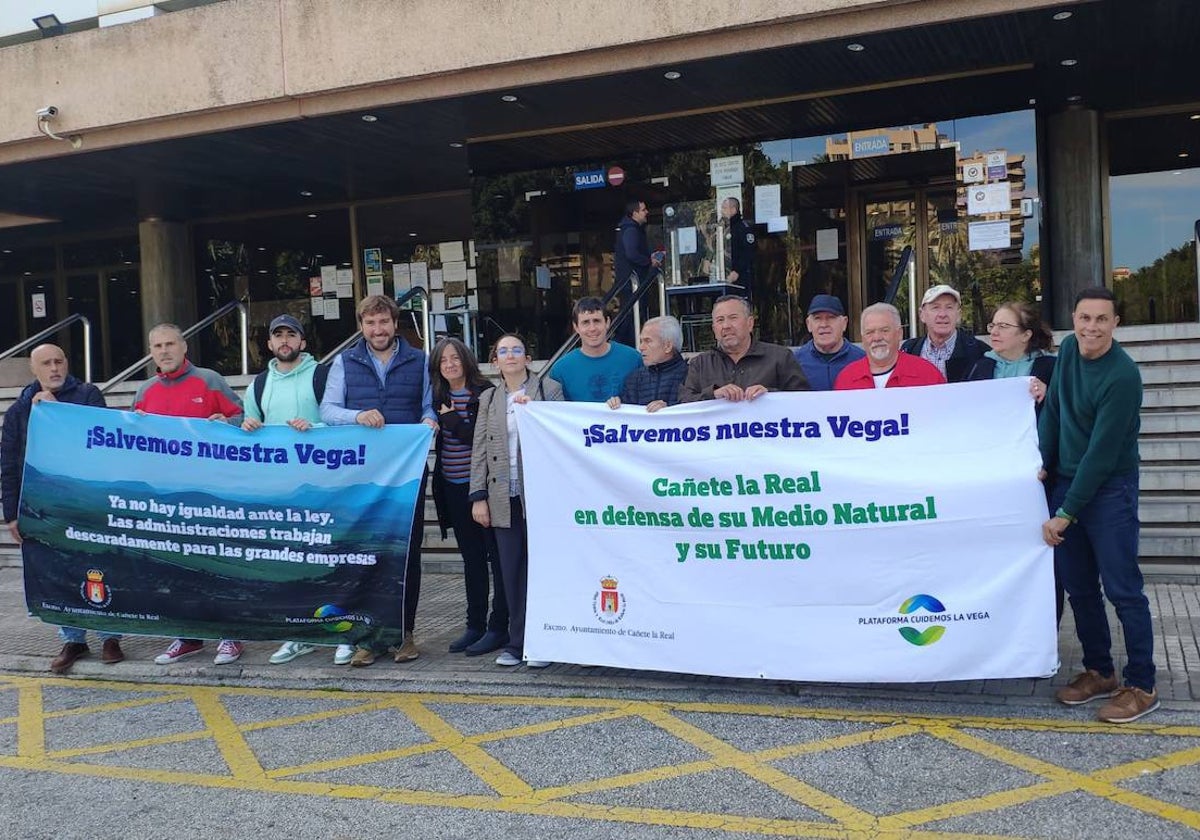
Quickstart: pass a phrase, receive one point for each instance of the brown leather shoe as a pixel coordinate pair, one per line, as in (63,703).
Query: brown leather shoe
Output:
(407,652)
(67,656)
(111,653)
(362,658)
(1085,687)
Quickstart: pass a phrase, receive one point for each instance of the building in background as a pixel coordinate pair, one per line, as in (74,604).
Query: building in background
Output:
(487,156)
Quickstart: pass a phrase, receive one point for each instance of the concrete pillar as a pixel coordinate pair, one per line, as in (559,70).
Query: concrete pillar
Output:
(168,273)
(1076,197)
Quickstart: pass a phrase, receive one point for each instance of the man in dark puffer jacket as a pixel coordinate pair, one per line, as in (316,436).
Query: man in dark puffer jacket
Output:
(656,385)
(54,383)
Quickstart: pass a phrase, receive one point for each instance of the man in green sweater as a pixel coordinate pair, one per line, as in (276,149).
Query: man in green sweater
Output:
(1089,431)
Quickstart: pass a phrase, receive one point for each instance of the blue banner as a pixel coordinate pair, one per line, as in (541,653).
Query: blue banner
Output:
(174,527)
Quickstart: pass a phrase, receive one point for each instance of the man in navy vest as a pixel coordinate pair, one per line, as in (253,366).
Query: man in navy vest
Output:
(381,379)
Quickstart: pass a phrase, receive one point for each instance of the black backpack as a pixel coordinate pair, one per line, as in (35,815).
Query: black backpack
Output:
(320,375)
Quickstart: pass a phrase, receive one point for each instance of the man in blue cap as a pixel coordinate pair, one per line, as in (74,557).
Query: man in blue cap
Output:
(827,352)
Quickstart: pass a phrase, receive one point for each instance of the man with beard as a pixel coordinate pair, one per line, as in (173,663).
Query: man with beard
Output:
(739,367)
(288,393)
(885,366)
(378,380)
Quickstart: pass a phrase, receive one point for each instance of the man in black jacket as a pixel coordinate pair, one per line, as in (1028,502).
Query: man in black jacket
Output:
(53,383)
(948,347)
(742,246)
(631,255)
(656,384)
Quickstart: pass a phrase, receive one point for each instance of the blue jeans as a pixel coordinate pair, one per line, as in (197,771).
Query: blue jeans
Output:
(78,635)
(1102,549)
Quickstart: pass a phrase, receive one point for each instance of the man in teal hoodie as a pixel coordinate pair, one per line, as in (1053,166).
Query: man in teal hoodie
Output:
(288,393)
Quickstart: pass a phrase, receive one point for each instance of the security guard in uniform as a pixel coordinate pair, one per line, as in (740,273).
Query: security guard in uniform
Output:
(742,245)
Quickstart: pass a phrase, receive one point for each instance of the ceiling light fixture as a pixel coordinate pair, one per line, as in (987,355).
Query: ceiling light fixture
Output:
(455,144)
(306,193)
(369,118)
(1063,15)
(312,215)
(1075,98)
(508,97)
(672,75)
(412,234)
(1069,62)
(1194,117)
(1184,154)
(855,47)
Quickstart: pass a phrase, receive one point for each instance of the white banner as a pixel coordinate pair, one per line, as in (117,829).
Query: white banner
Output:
(877,536)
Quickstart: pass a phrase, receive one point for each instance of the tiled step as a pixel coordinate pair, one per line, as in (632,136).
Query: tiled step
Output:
(1180,543)
(1186,373)
(1168,478)
(1164,353)
(1171,423)
(1177,510)
(1186,398)
(1160,450)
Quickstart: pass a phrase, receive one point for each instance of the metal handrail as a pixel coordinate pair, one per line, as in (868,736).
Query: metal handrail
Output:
(893,288)
(1196,249)
(35,340)
(426,338)
(209,320)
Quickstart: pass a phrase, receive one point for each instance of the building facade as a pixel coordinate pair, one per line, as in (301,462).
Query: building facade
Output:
(299,154)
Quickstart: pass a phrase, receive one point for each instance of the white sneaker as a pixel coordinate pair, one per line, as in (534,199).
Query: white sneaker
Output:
(343,654)
(289,651)
(537,663)
(507,660)
(227,652)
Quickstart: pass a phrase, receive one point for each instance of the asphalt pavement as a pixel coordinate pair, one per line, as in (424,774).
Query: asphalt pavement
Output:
(455,747)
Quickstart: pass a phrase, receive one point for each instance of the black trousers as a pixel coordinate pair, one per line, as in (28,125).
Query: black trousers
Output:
(481,563)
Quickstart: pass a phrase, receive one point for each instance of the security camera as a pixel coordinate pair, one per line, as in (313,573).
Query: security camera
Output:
(49,112)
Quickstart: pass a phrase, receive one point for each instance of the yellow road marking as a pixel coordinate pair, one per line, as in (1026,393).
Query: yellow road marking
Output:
(31,726)
(734,758)
(237,753)
(121,746)
(117,705)
(515,795)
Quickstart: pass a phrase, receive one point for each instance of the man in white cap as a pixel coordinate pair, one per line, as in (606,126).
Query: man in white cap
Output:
(948,347)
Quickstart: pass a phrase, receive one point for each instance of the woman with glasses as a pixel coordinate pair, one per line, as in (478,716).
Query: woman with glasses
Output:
(1021,345)
(496,488)
(457,387)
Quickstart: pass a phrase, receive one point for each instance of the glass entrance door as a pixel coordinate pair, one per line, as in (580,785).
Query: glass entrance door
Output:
(924,219)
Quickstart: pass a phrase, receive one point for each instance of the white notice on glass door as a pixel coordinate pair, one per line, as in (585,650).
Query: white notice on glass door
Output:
(985,236)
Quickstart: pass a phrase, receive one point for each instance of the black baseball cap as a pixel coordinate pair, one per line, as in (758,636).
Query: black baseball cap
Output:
(287,321)
(826,303)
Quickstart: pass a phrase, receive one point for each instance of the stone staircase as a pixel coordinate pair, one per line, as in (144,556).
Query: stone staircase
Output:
(1169,357)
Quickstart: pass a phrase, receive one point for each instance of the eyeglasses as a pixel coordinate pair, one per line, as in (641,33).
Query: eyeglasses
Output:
(1000,325)
(515,352)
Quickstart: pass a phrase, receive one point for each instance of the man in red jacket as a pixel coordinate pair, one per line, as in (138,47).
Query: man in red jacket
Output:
(180,389)
(884,365)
